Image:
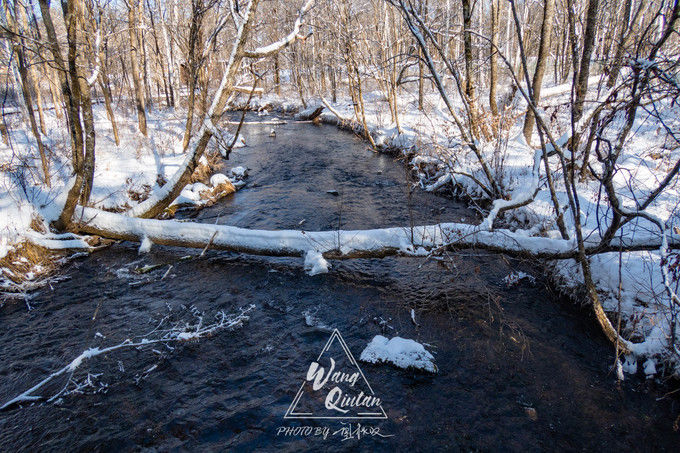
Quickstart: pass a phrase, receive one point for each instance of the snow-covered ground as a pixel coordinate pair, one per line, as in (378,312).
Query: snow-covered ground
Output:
(635,288)
(124,174)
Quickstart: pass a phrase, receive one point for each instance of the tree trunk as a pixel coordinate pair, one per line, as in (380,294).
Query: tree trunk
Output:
(573,37)
(467,43)
(277,78)
(621,41)
(421,71)
(133,29)
(193,65)
(105,85)
(543,54)
(493,58)
(106,91)
(28,101)
(169,57)
(75,20)
(24,83)
(581,82)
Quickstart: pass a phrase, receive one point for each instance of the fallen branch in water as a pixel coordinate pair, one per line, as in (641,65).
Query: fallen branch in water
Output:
(223,321)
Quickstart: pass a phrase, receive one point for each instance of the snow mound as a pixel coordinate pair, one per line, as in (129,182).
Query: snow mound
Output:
(198,188)
(219,178)
(315,263)
(401,352)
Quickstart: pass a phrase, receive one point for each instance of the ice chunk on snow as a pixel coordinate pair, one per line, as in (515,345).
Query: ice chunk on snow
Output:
(219,178)
(88,353)
(145,246)
(187,335)
(315,263)
(401,352)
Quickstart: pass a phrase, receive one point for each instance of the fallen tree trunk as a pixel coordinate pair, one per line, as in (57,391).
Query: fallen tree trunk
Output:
(344,244)
(309,116)
(376,243)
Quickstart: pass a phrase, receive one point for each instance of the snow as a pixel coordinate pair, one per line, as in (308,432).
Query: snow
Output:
(315,263)
(630,365)
(514,278)
(219,178)
(145,246)
(239,172)
(400,352)
(649,367)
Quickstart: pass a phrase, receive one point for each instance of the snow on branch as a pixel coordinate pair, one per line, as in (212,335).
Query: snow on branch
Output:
(174,333)
(274,47)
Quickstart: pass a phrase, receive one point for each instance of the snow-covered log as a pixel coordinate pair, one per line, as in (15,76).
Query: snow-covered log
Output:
(341,244)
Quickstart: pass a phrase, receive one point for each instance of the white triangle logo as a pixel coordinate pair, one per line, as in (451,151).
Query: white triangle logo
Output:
(335,388)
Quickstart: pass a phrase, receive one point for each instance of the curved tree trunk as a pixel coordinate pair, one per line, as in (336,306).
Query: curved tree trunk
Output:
(162,197)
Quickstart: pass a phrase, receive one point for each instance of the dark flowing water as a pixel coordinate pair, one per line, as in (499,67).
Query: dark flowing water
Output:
(519,368)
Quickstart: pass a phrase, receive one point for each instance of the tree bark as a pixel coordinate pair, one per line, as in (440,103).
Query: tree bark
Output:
(543,54)
(133,29)
(467,44)
(193,65)
(581,82)
(493,57)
